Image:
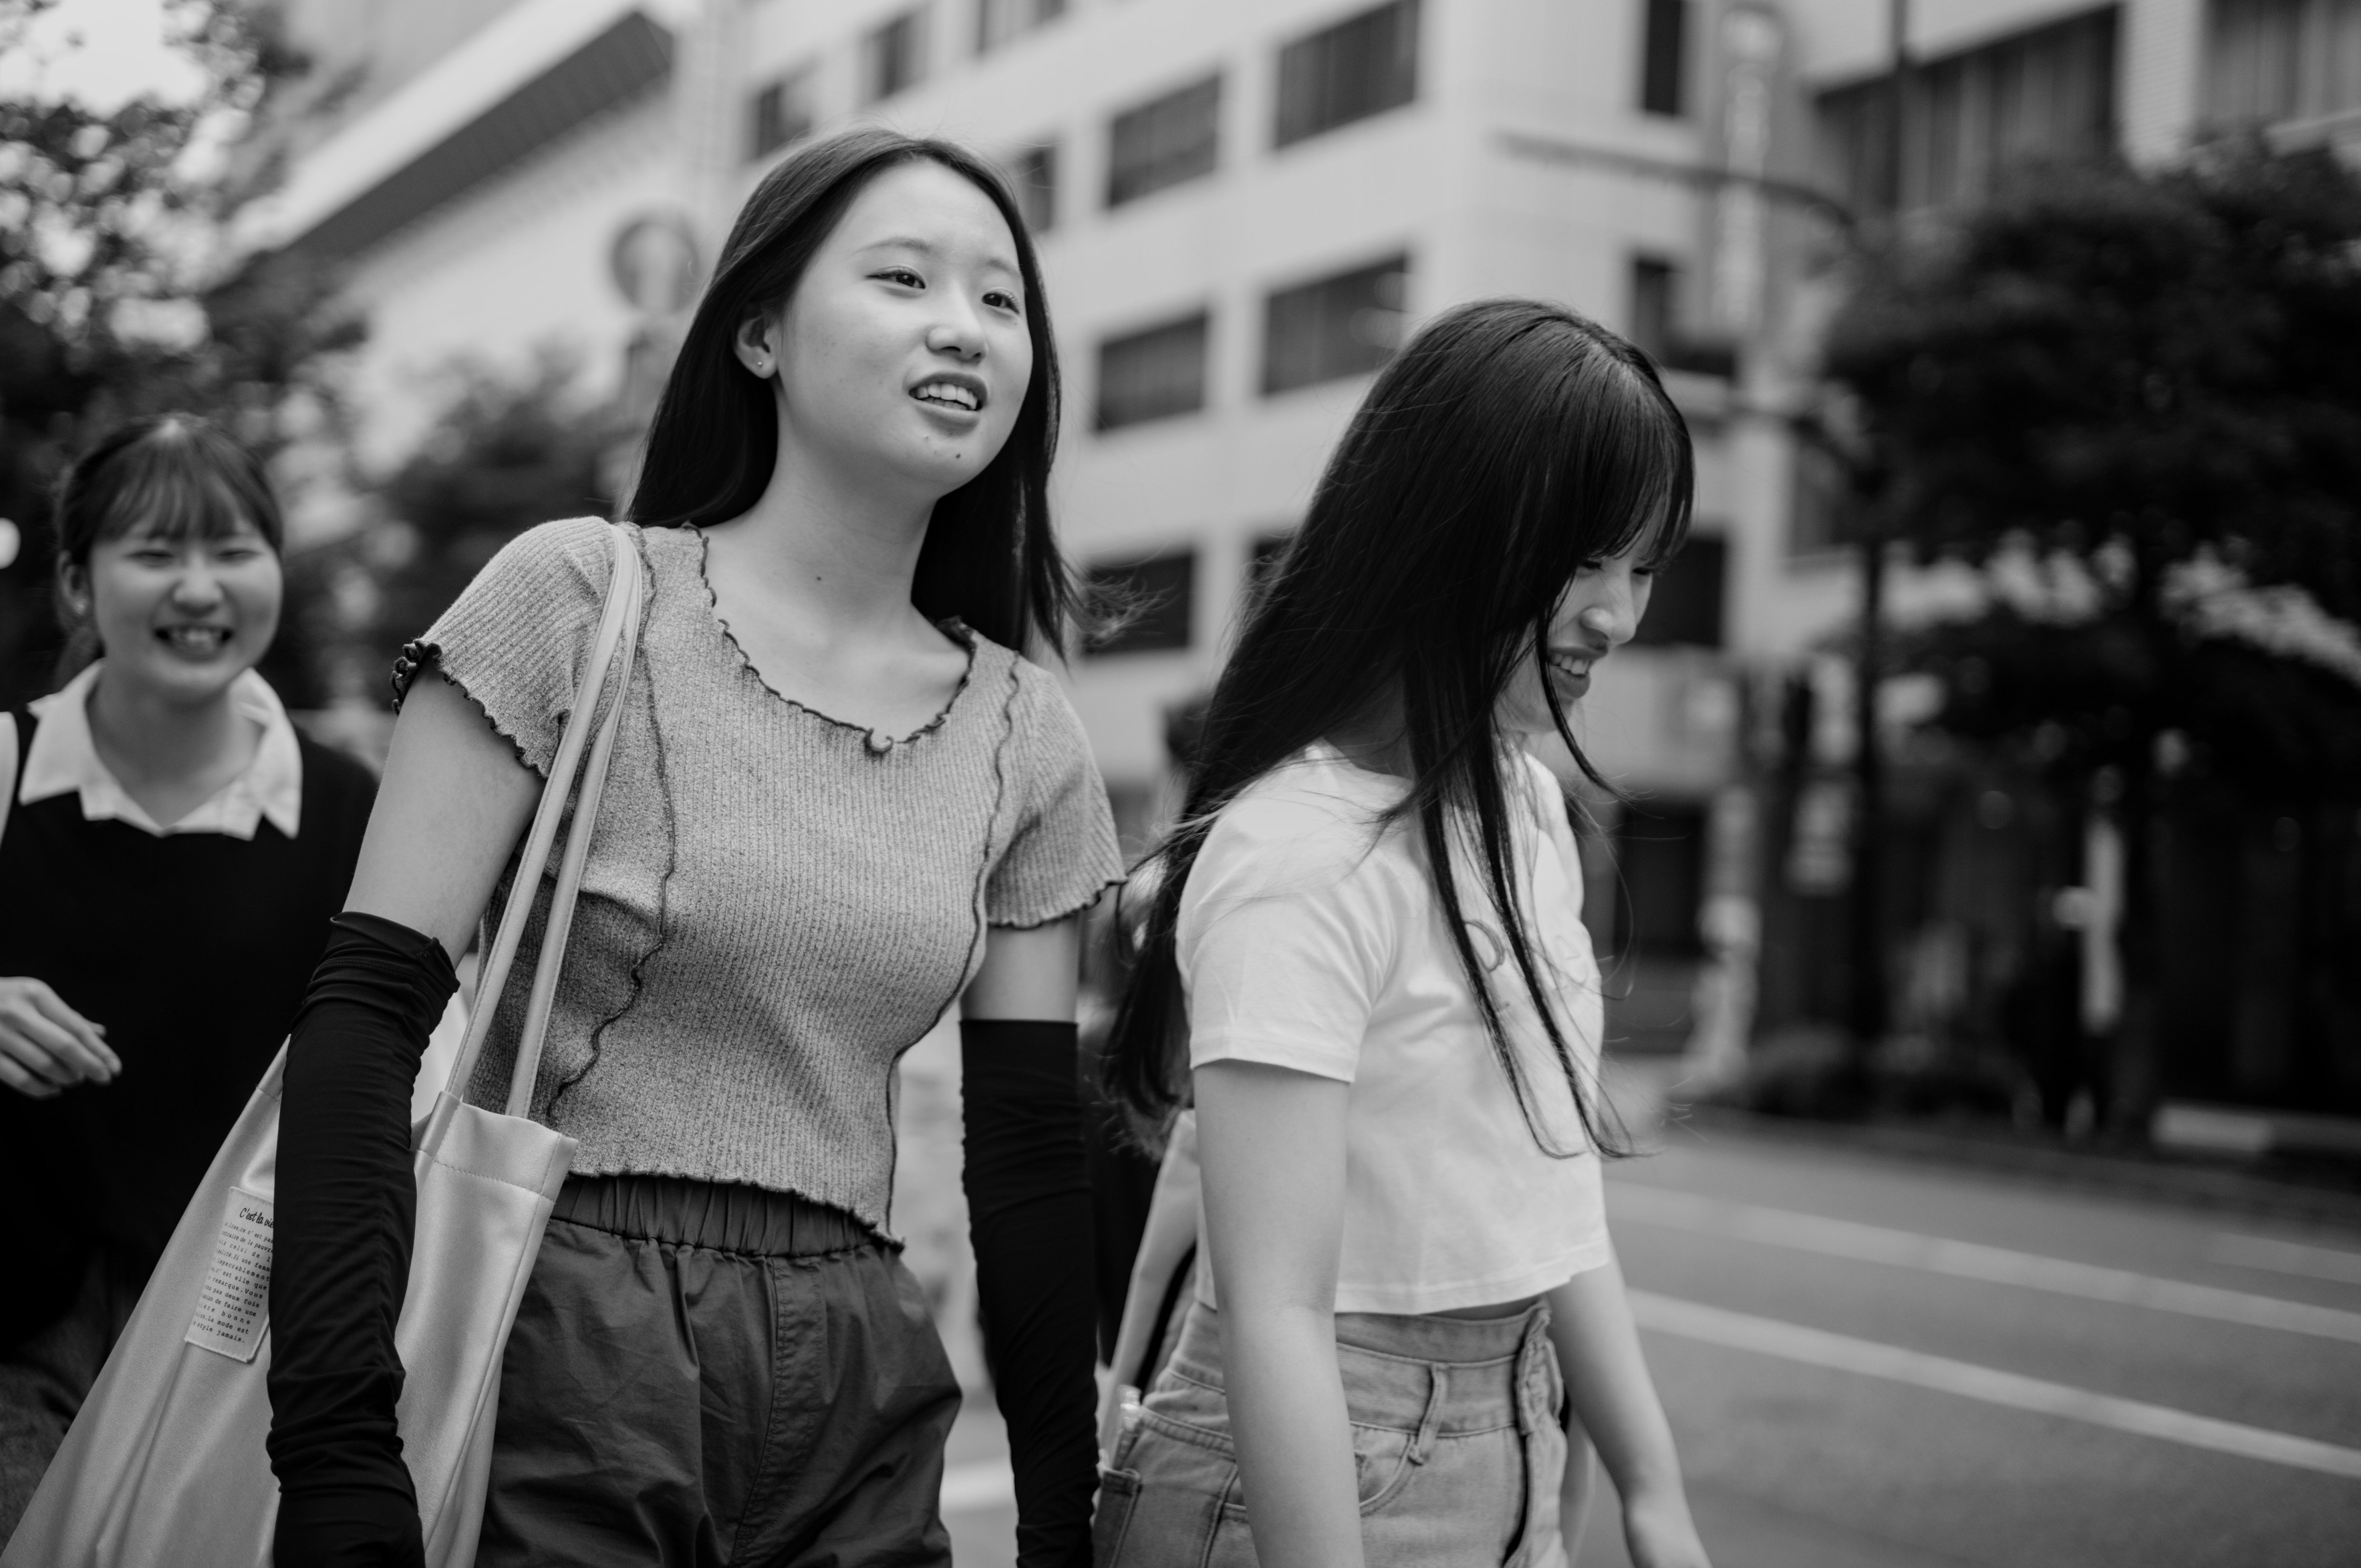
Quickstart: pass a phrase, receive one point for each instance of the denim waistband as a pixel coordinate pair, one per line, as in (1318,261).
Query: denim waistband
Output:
(1438,1374)
(723,1215)
(1430,1338)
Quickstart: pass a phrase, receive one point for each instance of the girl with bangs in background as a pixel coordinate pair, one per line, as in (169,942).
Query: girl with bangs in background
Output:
(1364,961)
(170,851)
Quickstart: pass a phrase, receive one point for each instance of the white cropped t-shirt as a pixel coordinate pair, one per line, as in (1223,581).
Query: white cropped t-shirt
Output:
(1309,940)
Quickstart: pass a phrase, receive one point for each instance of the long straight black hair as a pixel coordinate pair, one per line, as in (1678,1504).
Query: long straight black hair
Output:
(1510,445)
(990,558)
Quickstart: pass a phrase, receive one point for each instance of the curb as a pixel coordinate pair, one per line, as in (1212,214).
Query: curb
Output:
(2204,1186)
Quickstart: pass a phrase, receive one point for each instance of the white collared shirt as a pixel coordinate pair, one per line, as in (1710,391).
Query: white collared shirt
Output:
(63,760)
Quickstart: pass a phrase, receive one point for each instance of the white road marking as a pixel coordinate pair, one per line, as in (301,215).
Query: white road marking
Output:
(2285,1257)
(1673,1210)
(986,1483)
(1841,1353)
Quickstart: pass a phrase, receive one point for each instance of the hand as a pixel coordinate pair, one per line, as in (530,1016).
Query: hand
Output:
(46,1045)
(1118,1398)
(1660,1533)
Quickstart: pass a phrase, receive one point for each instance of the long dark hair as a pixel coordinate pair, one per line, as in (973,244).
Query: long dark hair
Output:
(1511,444)
(990,558)
(175,475)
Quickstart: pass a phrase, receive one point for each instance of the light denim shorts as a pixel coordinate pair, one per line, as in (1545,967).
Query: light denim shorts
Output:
(1456,1437)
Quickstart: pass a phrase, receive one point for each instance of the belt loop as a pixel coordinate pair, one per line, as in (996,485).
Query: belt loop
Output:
(1435,1374)
(1536,1361)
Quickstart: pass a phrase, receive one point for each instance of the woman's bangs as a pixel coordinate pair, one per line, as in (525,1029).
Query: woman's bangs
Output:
(1643,481)
(1664,525)
(167,493)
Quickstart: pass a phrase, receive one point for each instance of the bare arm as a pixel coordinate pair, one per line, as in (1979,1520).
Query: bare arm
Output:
(1170,1232)
(1608,1385)
(1272,1144)
(450,808)
(1028,973)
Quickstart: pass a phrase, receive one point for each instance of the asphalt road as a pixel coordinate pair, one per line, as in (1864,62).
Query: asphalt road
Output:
(1876,1364)
(1873,1362)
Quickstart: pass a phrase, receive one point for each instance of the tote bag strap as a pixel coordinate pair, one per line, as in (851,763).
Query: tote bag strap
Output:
(613,651)
(8,747)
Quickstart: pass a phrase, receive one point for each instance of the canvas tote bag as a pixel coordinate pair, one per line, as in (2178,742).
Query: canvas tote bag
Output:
(165,1463)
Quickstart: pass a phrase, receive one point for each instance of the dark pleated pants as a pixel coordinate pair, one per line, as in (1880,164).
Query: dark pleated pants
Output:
(707,1375)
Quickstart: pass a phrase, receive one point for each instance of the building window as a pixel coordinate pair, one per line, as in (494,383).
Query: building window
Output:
(1171,139)
(1347,324)
(1654,285)
(1149,604)
(1361,66)
(1684,605)
(2050,93)
(783,112)
(999,21)
(2272,61)
(1655,322)
(1154,374)
(892,57)
(1663,55)
(1033,176)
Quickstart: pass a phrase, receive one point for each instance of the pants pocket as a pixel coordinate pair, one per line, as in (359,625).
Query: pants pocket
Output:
(1161,1498)
(1381,1463)
(1118,1500)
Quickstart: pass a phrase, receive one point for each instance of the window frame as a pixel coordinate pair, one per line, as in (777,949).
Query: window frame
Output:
(1956,92)
(1199,322)
(1045,155)
(1312,94)
(2257,72)
(1164,168)
(1272,382)
(792,87)
(911,24)
(1708,607)
(1171,621)
(1663,62)
(1028,15)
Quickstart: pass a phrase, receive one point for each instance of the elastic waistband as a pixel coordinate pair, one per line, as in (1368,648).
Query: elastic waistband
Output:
(726,1216)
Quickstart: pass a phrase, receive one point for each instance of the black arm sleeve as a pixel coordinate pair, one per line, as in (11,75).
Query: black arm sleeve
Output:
(345,1203)
(1029,1214)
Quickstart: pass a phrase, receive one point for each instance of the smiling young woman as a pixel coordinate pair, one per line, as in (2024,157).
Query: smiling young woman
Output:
(840,802)
(1364,964)
(171,855)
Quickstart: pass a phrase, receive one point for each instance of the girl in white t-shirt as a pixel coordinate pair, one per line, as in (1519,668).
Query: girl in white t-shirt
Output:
(1367,930)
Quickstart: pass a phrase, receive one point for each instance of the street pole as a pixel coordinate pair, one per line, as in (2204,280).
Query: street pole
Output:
(1868,936)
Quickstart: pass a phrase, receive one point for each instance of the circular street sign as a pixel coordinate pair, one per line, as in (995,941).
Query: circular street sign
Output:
(654,263)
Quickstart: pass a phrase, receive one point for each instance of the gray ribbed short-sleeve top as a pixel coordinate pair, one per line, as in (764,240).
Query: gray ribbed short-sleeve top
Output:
(777,905)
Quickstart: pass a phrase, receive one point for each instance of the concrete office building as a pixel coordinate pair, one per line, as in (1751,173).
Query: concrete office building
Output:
(1243,205)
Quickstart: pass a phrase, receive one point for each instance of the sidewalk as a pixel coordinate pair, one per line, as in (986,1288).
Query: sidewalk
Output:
(1644,1088)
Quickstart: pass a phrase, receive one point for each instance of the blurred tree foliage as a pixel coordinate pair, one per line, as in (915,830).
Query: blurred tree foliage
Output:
(121,293)
(506,451)
(2145,388)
